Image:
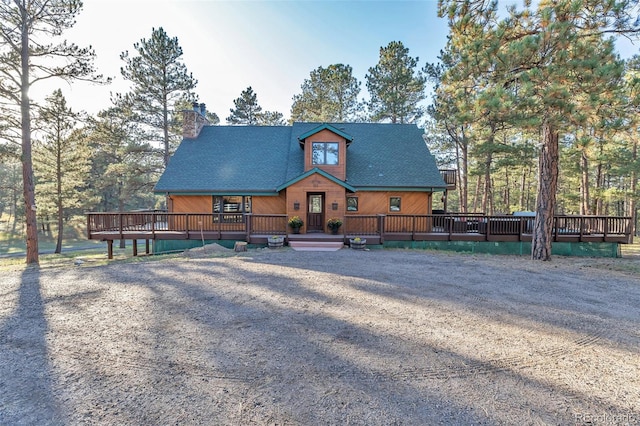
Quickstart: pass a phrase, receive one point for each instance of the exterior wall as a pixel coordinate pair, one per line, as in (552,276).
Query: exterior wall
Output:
(340,170)
(297,193)
(369,203)
(191,204)
(204,204)
(374,202)
(269,205)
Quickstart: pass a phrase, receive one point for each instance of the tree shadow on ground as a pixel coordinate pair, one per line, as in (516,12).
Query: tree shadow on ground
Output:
(27,394)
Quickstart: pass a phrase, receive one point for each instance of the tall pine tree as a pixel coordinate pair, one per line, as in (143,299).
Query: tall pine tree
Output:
(395,86)
(62,162)
(540,62)
(248,112)
(160,80)
(31,51)
(328,95)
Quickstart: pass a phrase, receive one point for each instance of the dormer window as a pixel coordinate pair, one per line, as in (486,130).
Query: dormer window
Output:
(325,153)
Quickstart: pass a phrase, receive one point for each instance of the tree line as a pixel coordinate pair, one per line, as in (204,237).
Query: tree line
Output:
(536,109)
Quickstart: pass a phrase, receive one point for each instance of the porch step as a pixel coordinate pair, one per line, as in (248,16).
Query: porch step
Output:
(316,245)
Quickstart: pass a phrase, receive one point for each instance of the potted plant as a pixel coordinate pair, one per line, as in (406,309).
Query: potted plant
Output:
(357,243)
(296,223)
(334,224)
(275,241)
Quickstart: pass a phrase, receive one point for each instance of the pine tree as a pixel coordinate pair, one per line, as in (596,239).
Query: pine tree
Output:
(62,162)
(328,95)
(395,87)
(272,118)
(246,109)
(248,112)
(27,55)
(539,63)
(160,80)
(123,174)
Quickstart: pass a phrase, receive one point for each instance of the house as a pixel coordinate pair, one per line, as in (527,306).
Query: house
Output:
(236,184)
(313,170)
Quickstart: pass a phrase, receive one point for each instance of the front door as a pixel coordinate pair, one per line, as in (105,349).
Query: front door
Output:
(315,215)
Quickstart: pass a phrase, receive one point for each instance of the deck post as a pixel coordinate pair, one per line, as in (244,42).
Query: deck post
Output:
(381,224)
(135,246)
(521,229)
(120,226)
(248,224)
(488,228)
(413,228)
(146,246)
(110,249)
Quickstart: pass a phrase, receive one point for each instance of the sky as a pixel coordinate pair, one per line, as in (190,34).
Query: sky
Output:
(270,45)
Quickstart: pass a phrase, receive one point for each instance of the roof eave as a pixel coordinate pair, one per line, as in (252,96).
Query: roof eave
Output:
(400,188)
(329,127)
(321,173)
(253,192)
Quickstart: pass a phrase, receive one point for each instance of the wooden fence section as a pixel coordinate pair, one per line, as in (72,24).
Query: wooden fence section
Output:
(440,227)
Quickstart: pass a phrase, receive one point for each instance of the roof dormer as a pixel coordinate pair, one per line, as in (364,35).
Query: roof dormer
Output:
(325,148)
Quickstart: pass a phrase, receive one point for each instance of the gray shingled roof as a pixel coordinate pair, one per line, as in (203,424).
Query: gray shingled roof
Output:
(258,159)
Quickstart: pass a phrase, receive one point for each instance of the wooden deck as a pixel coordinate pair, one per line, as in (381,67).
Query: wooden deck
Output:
(377,228)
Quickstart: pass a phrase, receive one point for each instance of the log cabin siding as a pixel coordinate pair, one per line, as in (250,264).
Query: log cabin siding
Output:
(315,183)
(413,203)
(191,204)
(269,205)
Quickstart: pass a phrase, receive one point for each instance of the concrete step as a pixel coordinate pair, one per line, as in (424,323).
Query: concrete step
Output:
(316,245)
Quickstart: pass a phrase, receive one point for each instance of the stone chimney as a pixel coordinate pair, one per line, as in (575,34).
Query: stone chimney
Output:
(194,120)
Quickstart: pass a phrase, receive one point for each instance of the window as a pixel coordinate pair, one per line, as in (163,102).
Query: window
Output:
(394,204)
(315,203)
(232,208)
(324,153)
(352,204)
(232,204)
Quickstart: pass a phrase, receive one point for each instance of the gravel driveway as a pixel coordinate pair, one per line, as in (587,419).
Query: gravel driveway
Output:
(279,337)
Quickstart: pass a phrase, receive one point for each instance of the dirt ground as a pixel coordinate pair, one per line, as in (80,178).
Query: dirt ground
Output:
(279,337)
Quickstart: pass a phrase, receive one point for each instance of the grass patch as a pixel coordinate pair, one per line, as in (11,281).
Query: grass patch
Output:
(13,238)
(83,258)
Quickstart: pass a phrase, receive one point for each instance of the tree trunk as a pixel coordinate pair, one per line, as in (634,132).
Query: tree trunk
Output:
(165,131)
(121,210)
(598,202)
(507,191)
(59,196)
(633,187)
(60,226)
(487,199)
(464,173)
(523,189)
(27,163)
(546,200)
(584,185)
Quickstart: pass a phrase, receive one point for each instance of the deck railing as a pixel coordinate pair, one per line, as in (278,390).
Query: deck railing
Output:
(472,227)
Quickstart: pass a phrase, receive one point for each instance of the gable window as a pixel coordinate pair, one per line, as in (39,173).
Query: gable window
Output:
(324,153)
(394,204)
(352,204)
